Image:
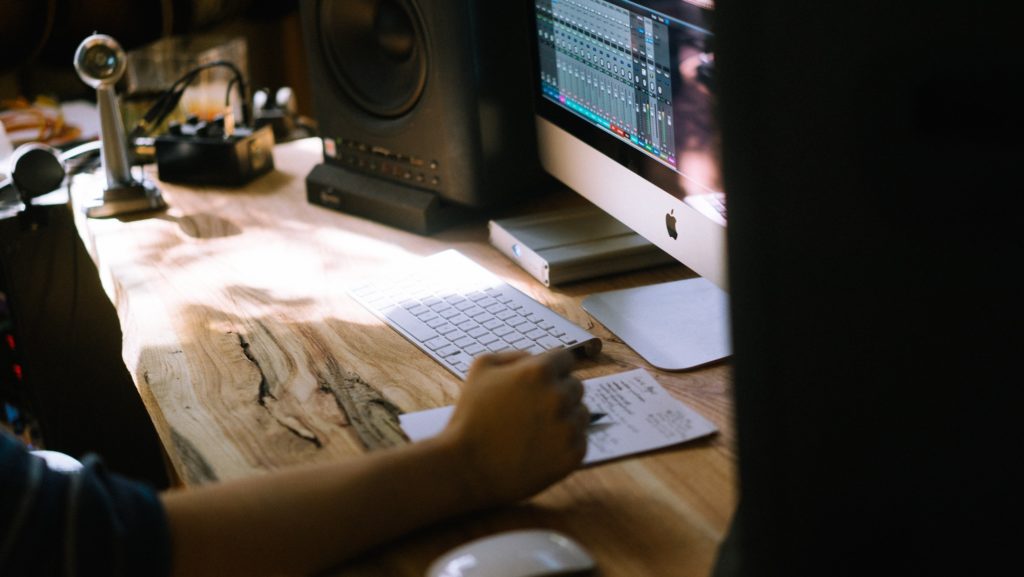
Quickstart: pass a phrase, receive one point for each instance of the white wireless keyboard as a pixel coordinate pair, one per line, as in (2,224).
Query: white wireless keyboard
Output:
(454,310)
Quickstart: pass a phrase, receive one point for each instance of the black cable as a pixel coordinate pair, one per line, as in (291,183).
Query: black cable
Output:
(168,101)
(227,93)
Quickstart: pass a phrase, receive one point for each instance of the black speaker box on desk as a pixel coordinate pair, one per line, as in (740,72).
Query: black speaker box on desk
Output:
(424,107)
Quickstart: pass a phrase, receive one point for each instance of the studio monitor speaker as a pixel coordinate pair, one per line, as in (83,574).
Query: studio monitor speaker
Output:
(424,107)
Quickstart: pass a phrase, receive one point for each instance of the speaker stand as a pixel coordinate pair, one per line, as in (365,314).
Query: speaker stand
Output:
(383,201)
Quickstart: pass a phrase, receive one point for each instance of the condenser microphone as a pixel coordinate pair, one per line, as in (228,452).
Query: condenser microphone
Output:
(100,63)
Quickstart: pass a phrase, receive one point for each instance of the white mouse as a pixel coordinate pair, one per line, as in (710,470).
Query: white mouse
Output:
(525,553)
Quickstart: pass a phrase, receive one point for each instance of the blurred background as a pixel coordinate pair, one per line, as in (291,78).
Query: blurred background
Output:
(38,39)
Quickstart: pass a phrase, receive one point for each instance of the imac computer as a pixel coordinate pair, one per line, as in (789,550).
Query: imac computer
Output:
(624,95)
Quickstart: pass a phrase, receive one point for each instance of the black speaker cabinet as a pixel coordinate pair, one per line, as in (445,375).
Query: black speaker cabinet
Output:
(424,107)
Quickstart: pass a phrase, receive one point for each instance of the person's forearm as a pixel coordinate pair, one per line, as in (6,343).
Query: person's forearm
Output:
(301,521)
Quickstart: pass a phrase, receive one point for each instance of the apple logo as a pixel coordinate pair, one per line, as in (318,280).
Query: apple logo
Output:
(670,224)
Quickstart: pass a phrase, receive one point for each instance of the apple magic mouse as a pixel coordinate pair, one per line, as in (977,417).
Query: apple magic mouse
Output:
(523,553)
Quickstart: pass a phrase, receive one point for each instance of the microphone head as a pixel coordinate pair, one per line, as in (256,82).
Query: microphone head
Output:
(100,61)
(36,169)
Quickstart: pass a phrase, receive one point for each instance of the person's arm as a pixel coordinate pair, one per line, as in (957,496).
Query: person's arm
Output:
(518,427)
(86,522)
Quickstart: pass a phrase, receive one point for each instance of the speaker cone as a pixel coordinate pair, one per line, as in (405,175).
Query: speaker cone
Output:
(375,51)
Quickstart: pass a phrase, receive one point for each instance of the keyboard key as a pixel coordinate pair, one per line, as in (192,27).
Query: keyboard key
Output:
(549,342)
(536,334)
(516,321)
(475,349)
(418,310)
(460,358)
(488,338)
(455,335)
(483,317)
(512,338)
(498,346)
(436,343)
(448,350)
(503,330)
(505,314)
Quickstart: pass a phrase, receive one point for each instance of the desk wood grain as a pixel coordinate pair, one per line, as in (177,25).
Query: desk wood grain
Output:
(250,357)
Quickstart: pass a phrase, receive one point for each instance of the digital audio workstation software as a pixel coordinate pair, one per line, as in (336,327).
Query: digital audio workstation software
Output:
(614,63)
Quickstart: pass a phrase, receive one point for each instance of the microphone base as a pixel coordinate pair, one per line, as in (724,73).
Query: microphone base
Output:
(127,198)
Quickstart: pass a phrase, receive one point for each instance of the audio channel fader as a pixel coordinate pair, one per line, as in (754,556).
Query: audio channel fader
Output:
(609,63)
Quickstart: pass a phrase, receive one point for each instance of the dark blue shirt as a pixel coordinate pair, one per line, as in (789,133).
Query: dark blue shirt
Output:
(90,522)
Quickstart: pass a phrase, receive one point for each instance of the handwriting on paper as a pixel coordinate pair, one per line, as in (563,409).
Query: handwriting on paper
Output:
(640,416)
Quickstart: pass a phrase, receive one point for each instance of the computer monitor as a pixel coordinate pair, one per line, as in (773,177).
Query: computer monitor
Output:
(624,95)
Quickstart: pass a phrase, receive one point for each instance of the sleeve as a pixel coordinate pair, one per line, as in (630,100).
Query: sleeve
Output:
(90,522)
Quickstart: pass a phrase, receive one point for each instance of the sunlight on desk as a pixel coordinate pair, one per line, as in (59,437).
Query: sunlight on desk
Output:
(249,356)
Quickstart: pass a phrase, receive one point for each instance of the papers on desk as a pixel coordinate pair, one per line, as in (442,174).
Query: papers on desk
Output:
(641,416)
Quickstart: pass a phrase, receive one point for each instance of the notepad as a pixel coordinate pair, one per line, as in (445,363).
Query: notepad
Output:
(641,416)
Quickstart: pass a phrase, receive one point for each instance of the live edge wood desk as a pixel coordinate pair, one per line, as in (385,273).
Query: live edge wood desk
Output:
(250,357)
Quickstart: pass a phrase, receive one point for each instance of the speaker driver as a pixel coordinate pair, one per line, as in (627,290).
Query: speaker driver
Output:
(375,52)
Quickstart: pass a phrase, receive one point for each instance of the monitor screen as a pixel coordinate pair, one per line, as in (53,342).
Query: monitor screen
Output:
(624,97)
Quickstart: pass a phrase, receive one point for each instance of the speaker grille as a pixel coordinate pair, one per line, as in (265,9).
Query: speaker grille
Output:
(376,53)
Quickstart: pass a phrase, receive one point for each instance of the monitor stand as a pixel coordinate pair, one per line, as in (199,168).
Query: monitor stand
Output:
(674,326)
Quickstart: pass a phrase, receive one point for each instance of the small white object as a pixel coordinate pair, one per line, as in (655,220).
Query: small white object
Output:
(59,461)
(6,149)
(523,553)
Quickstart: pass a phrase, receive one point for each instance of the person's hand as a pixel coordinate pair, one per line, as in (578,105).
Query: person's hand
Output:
(519,426)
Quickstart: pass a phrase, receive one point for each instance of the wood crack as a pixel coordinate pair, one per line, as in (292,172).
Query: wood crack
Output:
(374,418)
(266,399)
(264,386)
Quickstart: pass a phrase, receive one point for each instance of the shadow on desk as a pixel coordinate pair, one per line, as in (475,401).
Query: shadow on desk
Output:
(612,524)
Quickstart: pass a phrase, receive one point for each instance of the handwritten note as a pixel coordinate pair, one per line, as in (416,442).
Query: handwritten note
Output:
(641,416)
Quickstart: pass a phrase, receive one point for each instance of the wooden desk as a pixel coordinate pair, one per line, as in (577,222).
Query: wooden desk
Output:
(250,357)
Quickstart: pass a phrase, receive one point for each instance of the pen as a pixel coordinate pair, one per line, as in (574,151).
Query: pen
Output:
(595,417)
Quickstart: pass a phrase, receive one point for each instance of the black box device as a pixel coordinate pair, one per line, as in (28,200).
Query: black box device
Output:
(215,158)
